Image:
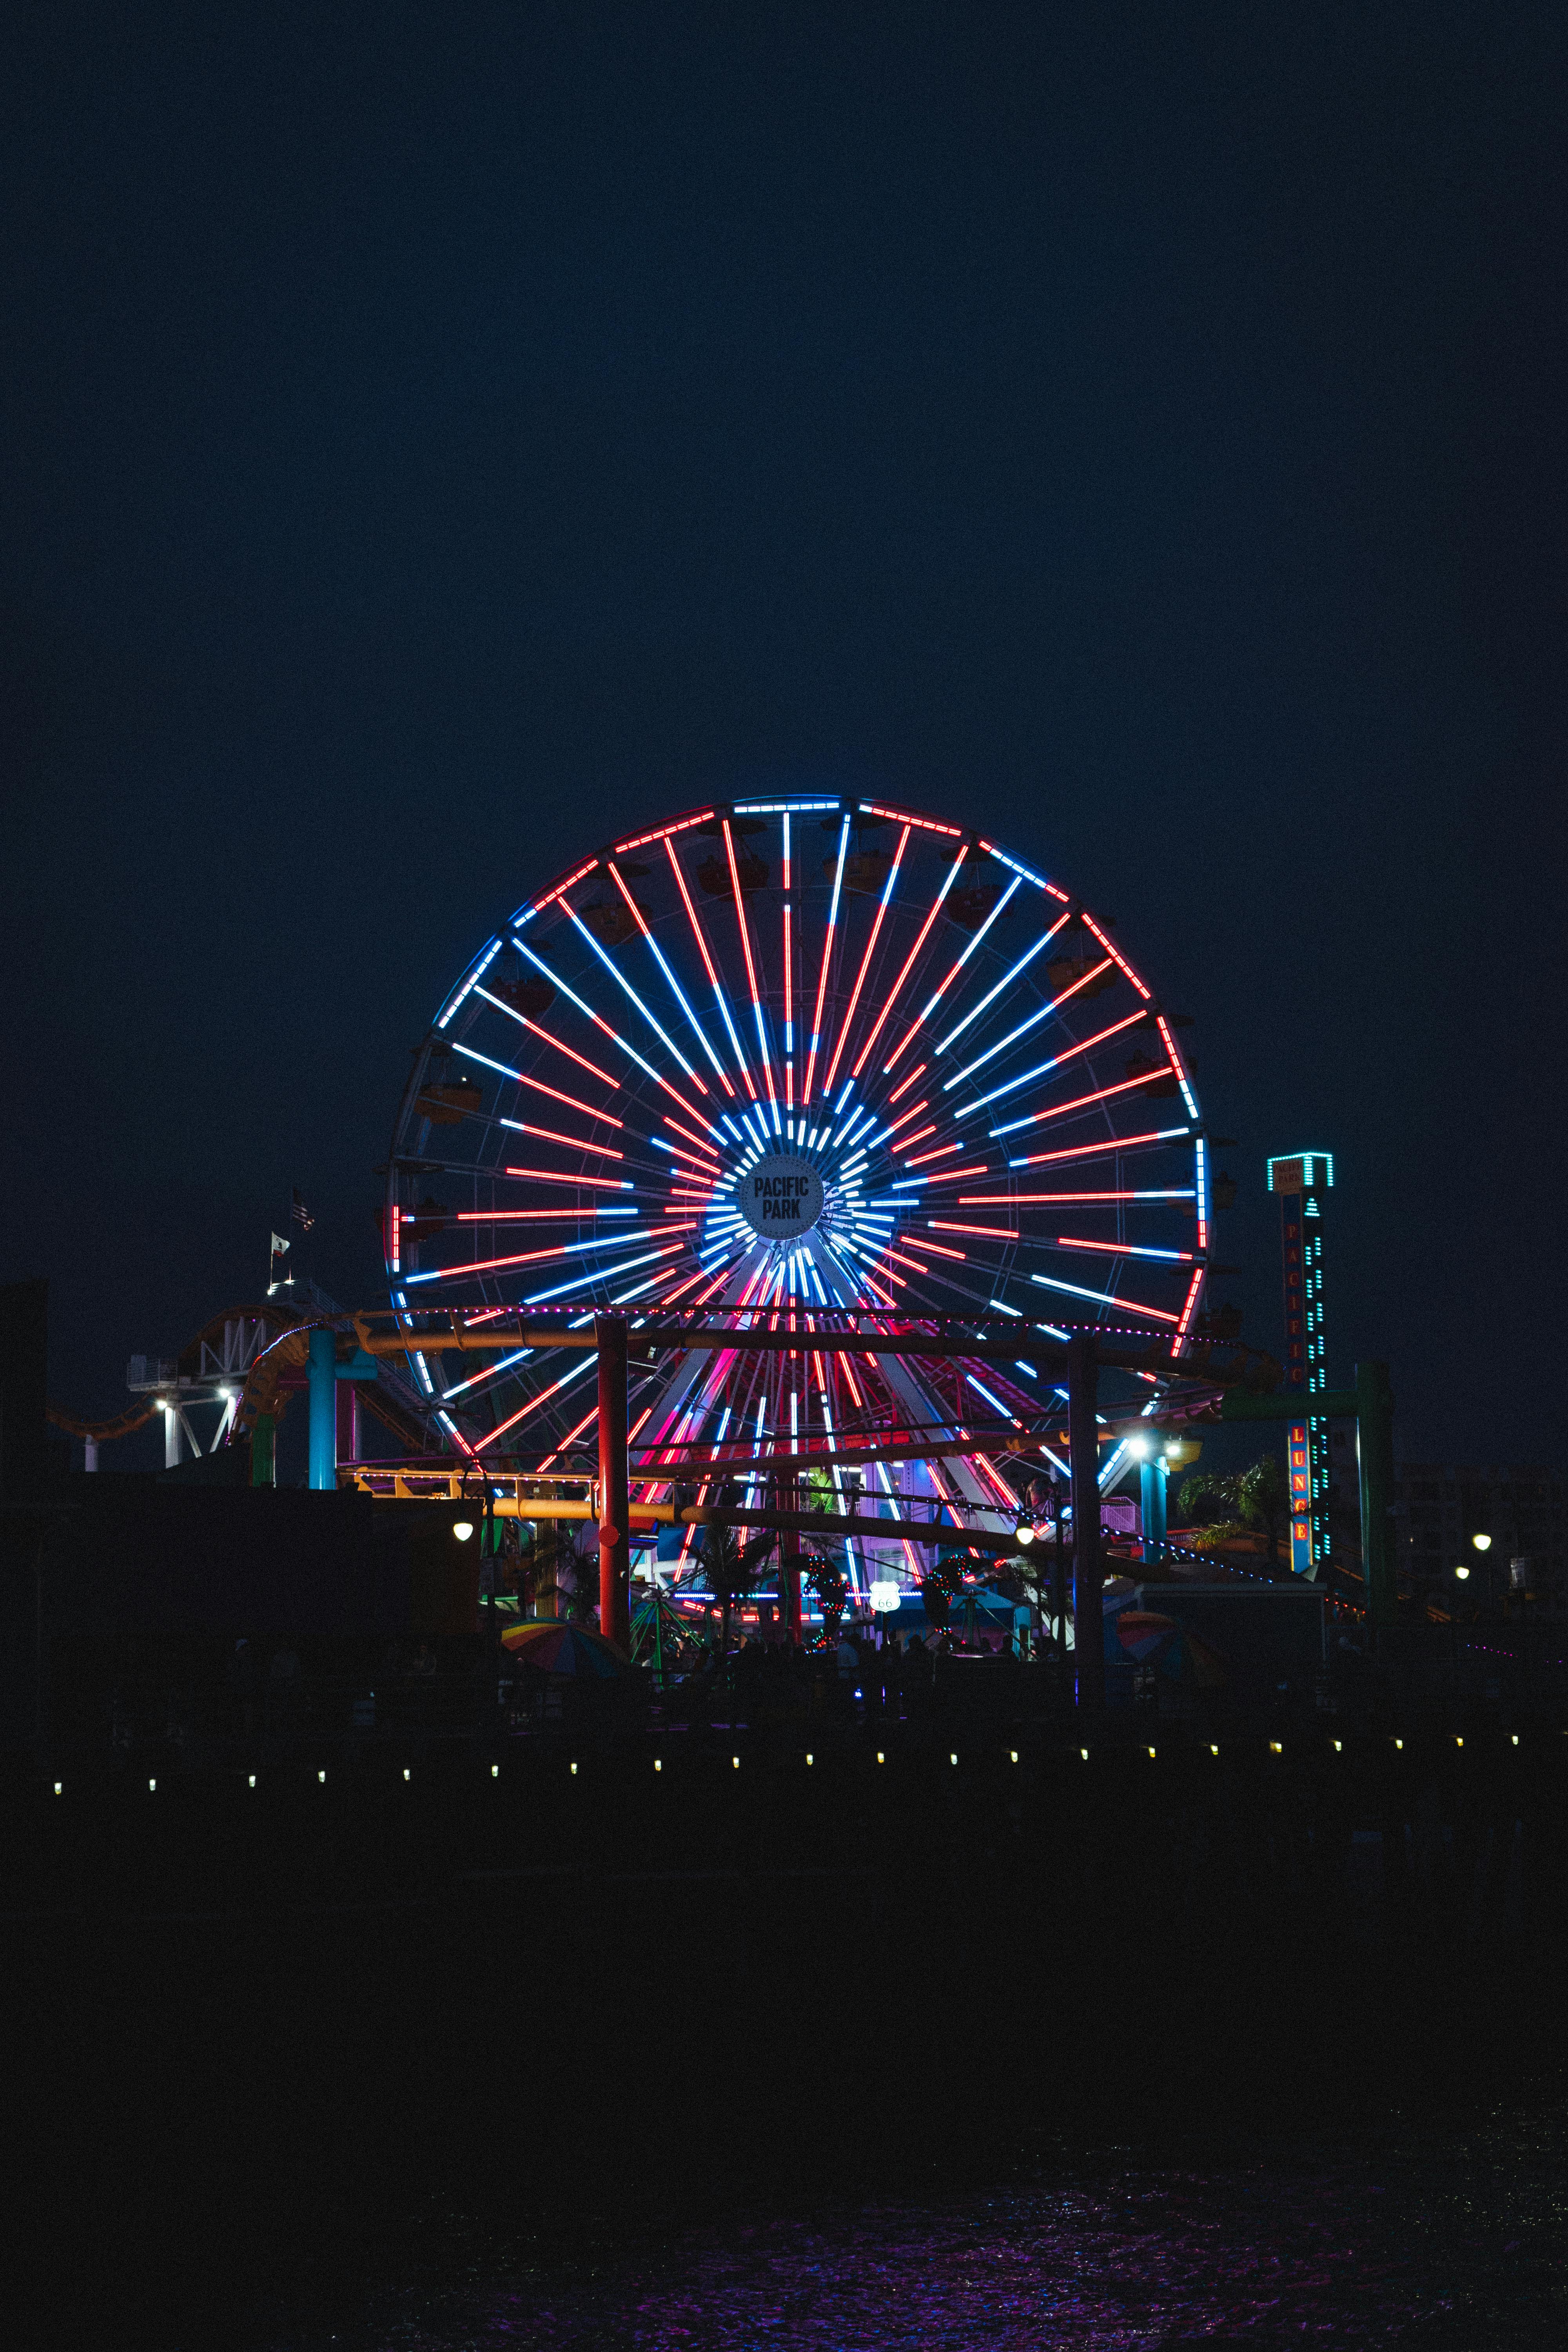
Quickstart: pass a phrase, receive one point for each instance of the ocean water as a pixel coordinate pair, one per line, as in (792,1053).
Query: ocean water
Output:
(1442,2232)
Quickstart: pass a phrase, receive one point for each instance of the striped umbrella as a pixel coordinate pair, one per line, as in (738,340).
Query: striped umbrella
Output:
(558,1648)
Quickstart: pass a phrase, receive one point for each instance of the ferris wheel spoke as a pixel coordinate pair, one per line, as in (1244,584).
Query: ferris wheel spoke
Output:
(678,992)
(1049,1111)
(1042,1012)
(892,999)
(1058,1061)
(622,982)
(764,1053)
(998,987)
(534,1029)
(537,1086)
(815,1045)
(537,1403)
(1115,1249)
(604,1027)
(1106,1148)
(1105,1298)
(847,1025)
(930,1006)
(708,966)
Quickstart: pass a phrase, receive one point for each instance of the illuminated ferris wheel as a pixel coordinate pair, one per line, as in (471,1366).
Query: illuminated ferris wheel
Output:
(809,1057)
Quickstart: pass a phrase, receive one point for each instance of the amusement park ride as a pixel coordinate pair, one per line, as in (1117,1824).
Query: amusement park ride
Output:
(852,1154)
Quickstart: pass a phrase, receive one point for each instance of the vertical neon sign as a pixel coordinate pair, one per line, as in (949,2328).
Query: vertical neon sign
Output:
(1302,1183)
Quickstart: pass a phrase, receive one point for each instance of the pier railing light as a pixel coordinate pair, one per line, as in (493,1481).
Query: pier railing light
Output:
(462,1529)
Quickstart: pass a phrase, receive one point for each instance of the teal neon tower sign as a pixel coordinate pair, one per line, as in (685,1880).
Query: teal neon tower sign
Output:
(1303,1181)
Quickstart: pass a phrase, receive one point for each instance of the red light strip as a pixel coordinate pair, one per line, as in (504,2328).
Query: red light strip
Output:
(664,834)
(722,1075)
(699,1140)
(521,1216)
(570,1437)
(560,886)
(905,1119)
(826,958)
(847,1021)
(1122,1249)
(1177,1062)
(581,1059)
(897,989)
(937,1251)
(1111,950)
(1108,1149)
(956,1175)
(988,1233)
(1186,1315)
(750,1289)
(1032,1199)
(905,1084)
(941,1153)
(617,1039)
(901,817)
(696,1163)
(549,1176)
(688,1283)
(576,1143)
(789,998)
(1081,1102)
(751,967)
(523,1411)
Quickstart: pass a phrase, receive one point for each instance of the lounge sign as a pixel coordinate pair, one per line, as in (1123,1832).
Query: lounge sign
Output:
(780,1199)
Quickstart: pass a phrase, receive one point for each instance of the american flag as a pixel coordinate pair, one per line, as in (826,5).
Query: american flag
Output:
(300,1214)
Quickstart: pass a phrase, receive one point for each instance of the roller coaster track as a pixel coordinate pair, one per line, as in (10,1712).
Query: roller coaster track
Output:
(260,1352)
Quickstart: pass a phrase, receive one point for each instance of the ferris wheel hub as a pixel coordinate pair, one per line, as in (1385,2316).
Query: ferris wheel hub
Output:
(781,1197)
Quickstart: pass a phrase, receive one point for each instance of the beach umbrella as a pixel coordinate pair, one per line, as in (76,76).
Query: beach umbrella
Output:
(556,1647)
(1172,1648)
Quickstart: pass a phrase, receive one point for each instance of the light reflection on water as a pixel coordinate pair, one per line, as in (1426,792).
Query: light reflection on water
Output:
(1439,2240)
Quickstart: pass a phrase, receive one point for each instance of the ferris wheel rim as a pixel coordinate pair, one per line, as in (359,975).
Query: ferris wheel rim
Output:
(732,819)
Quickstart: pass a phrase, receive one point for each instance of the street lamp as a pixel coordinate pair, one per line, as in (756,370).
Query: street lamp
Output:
(1482,1543)
(462,1529)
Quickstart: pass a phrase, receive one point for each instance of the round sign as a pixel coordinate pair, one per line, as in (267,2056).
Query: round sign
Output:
(780,1198)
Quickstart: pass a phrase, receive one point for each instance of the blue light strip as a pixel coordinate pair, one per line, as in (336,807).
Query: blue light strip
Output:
(625,984)
(930,1006)
(1006,981)
(476,975)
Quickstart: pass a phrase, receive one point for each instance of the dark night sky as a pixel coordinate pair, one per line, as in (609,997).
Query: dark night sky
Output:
(434,437)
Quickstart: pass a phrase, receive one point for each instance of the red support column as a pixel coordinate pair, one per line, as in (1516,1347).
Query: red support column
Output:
(1088,1576)
(615,1511)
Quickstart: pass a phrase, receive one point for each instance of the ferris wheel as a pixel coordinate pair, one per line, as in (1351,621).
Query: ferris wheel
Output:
(812,1057)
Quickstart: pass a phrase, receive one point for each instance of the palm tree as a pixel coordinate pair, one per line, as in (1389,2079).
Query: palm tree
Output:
(732,1569)
(1254,1499)
(1264,1501)
(829,1585)
(564,1564)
